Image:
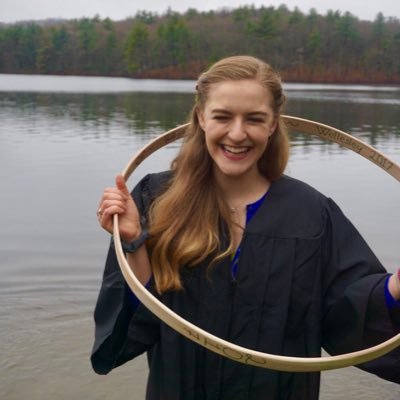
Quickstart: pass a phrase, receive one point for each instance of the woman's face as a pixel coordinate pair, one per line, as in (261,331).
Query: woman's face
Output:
(237,120)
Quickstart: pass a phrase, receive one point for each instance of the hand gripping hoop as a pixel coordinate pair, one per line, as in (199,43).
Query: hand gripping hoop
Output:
(223,347)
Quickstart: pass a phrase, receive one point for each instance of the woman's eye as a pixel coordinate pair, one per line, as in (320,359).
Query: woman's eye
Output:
(221,117)
(256,120)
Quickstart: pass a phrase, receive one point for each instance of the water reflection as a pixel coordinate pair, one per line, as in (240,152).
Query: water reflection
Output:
(351,94)
(143,113)
(365,121)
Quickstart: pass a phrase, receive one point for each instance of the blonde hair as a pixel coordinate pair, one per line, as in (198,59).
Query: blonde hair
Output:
(186,220)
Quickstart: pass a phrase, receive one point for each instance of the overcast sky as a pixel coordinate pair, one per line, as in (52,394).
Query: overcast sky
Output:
(17,10)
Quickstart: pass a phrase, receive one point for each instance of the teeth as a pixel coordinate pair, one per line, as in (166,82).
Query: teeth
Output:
(235,150)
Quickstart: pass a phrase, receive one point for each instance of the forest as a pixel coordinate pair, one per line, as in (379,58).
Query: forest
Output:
(305,47)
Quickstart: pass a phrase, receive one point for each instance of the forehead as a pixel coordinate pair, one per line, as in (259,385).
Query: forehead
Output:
(243,94)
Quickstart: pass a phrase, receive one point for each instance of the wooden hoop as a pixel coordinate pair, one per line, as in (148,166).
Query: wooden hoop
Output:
(223,347)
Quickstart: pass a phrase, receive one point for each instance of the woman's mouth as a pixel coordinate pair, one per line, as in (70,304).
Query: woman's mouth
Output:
(236,150)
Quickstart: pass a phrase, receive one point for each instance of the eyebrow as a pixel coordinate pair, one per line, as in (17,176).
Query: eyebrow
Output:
(258,113)
(252,113)
(220,110)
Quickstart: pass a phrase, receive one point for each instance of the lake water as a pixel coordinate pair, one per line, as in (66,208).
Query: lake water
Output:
(62,140)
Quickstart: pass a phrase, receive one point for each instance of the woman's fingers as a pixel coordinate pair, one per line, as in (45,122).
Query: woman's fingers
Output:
(109,200)
(121,185)
(108,208)
(106,205)
(118,200)
(115,196)
(114,193)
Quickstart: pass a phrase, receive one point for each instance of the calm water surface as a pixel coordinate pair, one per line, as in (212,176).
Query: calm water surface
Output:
(62,140)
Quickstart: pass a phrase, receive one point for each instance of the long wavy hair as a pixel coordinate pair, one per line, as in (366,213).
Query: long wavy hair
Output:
(186,220)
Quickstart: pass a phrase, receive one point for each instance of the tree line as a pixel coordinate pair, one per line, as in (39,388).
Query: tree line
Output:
(305,47)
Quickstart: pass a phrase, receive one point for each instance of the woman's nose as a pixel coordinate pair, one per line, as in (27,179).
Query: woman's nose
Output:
(237,131)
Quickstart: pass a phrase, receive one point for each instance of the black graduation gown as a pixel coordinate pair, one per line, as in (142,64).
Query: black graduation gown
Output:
(306,279)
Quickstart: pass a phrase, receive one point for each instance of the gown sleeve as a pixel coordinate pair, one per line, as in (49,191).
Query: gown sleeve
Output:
(355,313)
(116,316)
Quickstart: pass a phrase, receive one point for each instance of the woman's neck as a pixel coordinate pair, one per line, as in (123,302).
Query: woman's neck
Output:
(239,191)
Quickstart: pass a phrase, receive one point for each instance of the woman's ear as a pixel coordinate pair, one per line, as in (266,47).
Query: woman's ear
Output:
(273,128)
(200,117)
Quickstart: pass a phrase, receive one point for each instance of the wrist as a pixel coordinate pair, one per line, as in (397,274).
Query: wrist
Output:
(132,236)
(132,242)
(133,245)
(139,226)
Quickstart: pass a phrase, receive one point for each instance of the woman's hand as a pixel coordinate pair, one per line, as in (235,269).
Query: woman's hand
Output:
(394,286)
(118,200)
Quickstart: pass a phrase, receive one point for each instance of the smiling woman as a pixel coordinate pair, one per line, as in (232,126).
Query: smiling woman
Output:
(286,274)
(238,121)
